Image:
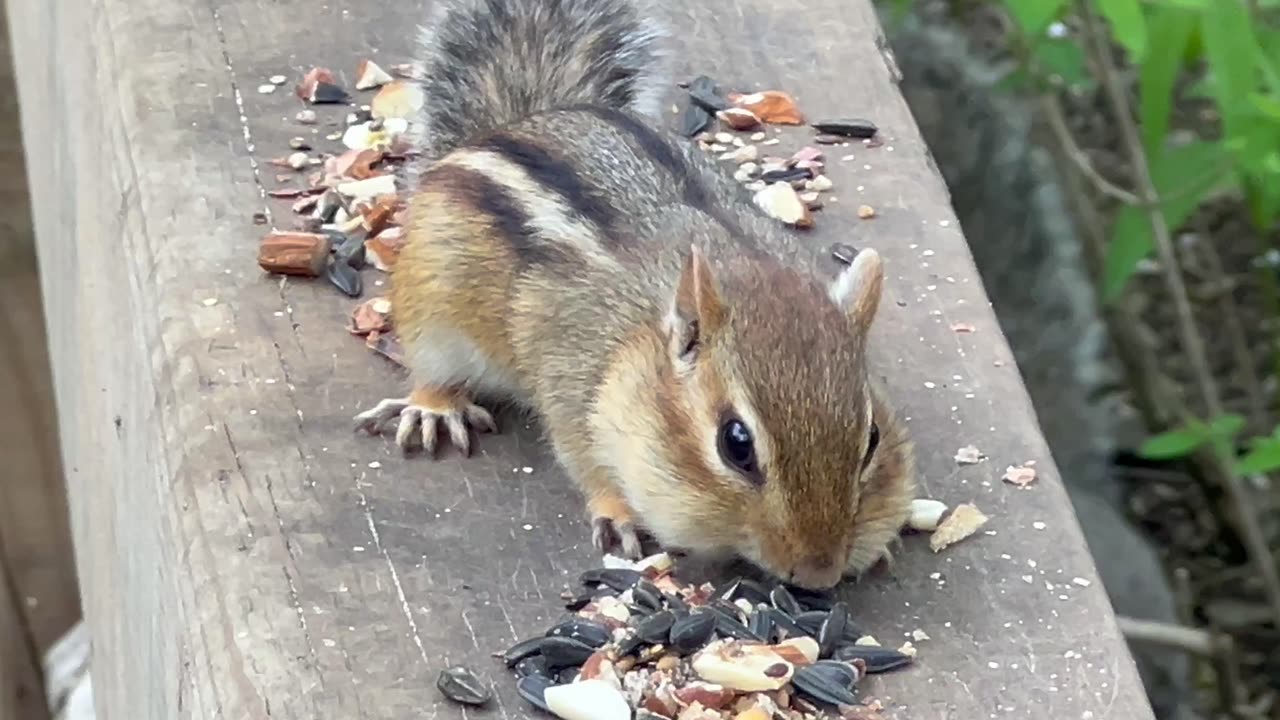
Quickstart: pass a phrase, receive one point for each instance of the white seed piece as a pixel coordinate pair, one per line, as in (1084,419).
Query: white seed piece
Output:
(926,514)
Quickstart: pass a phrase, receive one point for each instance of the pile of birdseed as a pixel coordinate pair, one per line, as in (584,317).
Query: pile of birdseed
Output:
(638,643)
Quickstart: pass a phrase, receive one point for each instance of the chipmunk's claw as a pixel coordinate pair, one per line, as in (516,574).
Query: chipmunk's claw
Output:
(606,535)
(421,415)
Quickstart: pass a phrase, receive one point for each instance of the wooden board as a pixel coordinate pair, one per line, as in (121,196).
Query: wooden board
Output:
(251,557)
(39,599)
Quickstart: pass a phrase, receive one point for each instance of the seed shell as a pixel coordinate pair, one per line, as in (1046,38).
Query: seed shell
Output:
(656,627)
(533,688)
(692,631)
(460,684)
(562,652)
(762,622)
(878,659)
(744,588)
(784,601)
(522,650)
(818,684)
(617,578)
(582,629)
(831,634)
(786,626)
(847,127)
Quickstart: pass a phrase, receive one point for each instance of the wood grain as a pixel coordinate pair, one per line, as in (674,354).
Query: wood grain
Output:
(251,557)
(39,599)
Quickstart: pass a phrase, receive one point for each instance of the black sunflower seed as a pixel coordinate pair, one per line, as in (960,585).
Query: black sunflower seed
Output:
(630,644)
(811,621)
(729,625)
(587,631)
(787,175)
(831,634)
(617,578)
(675,602)
(460,684)
(813,599)
(692,631)
(840,671)
(784,601)
(703,91)
(562,652)
(351,251)
(656,627)
(843,253)
(639,611)
(744,588)
(730,609)
(533,688)
(847,127)
(819,685)
(532,665)
(579,601)
(787,627)
(522,650)
(693,120)
(345,278)
(647,594)
(328,93)
(878,659)
(762,622)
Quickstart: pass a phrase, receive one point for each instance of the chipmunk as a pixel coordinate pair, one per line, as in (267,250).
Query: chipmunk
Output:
(694,375)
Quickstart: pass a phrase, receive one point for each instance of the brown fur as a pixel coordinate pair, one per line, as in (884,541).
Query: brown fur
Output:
(611,278)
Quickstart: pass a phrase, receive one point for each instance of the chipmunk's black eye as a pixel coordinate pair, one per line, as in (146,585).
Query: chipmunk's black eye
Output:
(872,443)
(737,448)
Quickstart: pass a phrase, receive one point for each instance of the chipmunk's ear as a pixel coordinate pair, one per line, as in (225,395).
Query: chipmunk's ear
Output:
(858,287)
(697,311)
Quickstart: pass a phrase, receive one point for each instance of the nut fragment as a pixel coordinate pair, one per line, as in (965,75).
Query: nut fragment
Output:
(587,700)
(742,667)
(771,106)
(370,316)
(969,455)
(738,118)
(866,212)
(963,521)
(294,253)
(398,99)
(369,75)
(1020,475)
(780,200)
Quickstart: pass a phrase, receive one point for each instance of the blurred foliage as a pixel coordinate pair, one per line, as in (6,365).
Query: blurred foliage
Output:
(1222,54)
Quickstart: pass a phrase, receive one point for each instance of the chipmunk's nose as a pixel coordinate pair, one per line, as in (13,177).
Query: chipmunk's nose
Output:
(817,571)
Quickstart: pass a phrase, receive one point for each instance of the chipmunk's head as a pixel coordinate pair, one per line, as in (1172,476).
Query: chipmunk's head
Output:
(771,442)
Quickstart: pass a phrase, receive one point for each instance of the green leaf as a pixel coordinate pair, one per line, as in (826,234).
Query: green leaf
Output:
(1034,16)
(1267,105)
(1173,444)
(1263,457)
(1064,58)
(1232,50)
(1183,175)
(1173,28)
(1226,426)
(1128,26)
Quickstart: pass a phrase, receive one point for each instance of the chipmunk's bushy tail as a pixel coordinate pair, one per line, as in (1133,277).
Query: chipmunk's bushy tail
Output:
(487,63)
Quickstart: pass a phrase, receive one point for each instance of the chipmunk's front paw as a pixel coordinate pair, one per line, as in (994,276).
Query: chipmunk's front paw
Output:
(613,526)
(421,415)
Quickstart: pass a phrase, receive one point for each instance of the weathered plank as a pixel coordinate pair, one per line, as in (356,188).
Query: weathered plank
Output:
(39,599)
(236,543)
